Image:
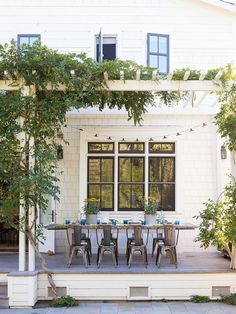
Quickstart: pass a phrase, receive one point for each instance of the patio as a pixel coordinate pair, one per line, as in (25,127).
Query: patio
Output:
(188,262)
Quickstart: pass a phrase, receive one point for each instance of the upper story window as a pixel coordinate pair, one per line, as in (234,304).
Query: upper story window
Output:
(105,47)
(158,52)
(27,39)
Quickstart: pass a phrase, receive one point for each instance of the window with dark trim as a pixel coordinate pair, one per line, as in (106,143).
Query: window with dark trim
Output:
(99,147)
(158,52)
(27,39)
(161,148)
(101,181)
(131,183)
(162,182)
(105,48)
(132,147)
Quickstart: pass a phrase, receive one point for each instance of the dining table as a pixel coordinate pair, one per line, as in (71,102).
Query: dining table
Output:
(118,227)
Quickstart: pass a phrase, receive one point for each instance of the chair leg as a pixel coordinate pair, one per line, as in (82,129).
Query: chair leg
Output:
(88,256)
(84,254)
(114,256)
(116,252)
(130,257)
(175,255)
(158,260)
(71,256)
(154,243)
(90,247)
(146,257)
(98,254)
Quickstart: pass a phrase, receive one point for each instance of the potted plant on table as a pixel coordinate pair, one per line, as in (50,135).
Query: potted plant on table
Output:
(150,211)
(91,209)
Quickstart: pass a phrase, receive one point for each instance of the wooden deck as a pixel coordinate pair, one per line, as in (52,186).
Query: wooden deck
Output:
(191,262)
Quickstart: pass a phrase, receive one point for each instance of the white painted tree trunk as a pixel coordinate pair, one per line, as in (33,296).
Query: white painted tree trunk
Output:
(233,258)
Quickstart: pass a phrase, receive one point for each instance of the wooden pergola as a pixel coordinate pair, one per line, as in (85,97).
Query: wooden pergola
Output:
(135,85)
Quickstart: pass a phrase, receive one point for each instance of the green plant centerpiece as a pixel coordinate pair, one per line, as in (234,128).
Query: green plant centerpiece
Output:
(91,209)
(150,211)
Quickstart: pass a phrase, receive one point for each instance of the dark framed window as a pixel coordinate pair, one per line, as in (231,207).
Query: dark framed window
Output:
(132,147)
(101,181)
(27,39)
(158,52)
(162,182)
(105,48)
(161,148)
(131,183)
(99,147)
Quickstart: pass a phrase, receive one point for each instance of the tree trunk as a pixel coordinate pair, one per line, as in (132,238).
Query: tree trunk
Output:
(233,258)
(44,265)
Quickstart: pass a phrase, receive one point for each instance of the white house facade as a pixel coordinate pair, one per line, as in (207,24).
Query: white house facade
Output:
(174,156)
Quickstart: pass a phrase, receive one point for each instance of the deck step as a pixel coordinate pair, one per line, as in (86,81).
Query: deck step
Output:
(4,301)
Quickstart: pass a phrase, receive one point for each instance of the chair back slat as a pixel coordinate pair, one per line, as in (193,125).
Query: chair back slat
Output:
(138,235)
(77,235)
(169,233)
(106,235)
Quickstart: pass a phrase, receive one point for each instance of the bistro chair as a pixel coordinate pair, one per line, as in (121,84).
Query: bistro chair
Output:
(137,245)
(78,246)
(168,245)
(108,244)
(158,238)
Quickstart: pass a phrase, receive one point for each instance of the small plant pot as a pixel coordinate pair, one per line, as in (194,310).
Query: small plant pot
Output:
(91,219)
(150,219)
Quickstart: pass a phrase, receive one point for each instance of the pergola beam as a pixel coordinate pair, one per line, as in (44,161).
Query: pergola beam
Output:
(139,85)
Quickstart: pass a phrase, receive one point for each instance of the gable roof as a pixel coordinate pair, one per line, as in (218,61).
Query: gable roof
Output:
(223,4)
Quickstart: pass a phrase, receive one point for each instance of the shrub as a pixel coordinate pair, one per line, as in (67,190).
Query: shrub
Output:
(64,301)
(200,299)
(229,299)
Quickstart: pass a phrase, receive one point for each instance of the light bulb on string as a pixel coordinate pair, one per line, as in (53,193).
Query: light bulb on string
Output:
(164,137)
(191,130)
(109,138)
(137,139)
(96,135)
(81,129)
(178,134)
(123,140)
(204,124)
(151,139)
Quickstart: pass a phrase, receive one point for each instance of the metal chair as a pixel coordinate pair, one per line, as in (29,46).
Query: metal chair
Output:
(168,245)
(137,245)
(78,246)
(159,238)
(108,244)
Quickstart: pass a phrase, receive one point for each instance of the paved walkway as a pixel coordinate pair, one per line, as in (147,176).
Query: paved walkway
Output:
(132,308)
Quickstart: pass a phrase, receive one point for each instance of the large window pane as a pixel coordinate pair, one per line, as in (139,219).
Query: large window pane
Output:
(100,173)
(168,197)
(124,169)
(94,170)
(155,192)
(106,196)
(137,169)
(124,196)
(155,169)
(106,170)
(168,170)
(137,196)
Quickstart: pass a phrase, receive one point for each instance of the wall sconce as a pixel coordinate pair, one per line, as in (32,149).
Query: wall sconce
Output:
(223,152)
(59,152)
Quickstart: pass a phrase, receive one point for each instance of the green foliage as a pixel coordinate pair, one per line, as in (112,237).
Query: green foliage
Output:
(226,118)
(200,299)
(230,299)
(218,220)
(64,301)
(150,206)
(91,206)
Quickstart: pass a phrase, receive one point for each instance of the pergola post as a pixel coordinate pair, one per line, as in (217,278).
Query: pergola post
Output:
(22,236)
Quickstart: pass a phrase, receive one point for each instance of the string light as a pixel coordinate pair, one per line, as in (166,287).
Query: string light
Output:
(151,139)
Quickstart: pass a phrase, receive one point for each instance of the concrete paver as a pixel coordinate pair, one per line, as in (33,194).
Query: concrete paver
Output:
(132,308)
